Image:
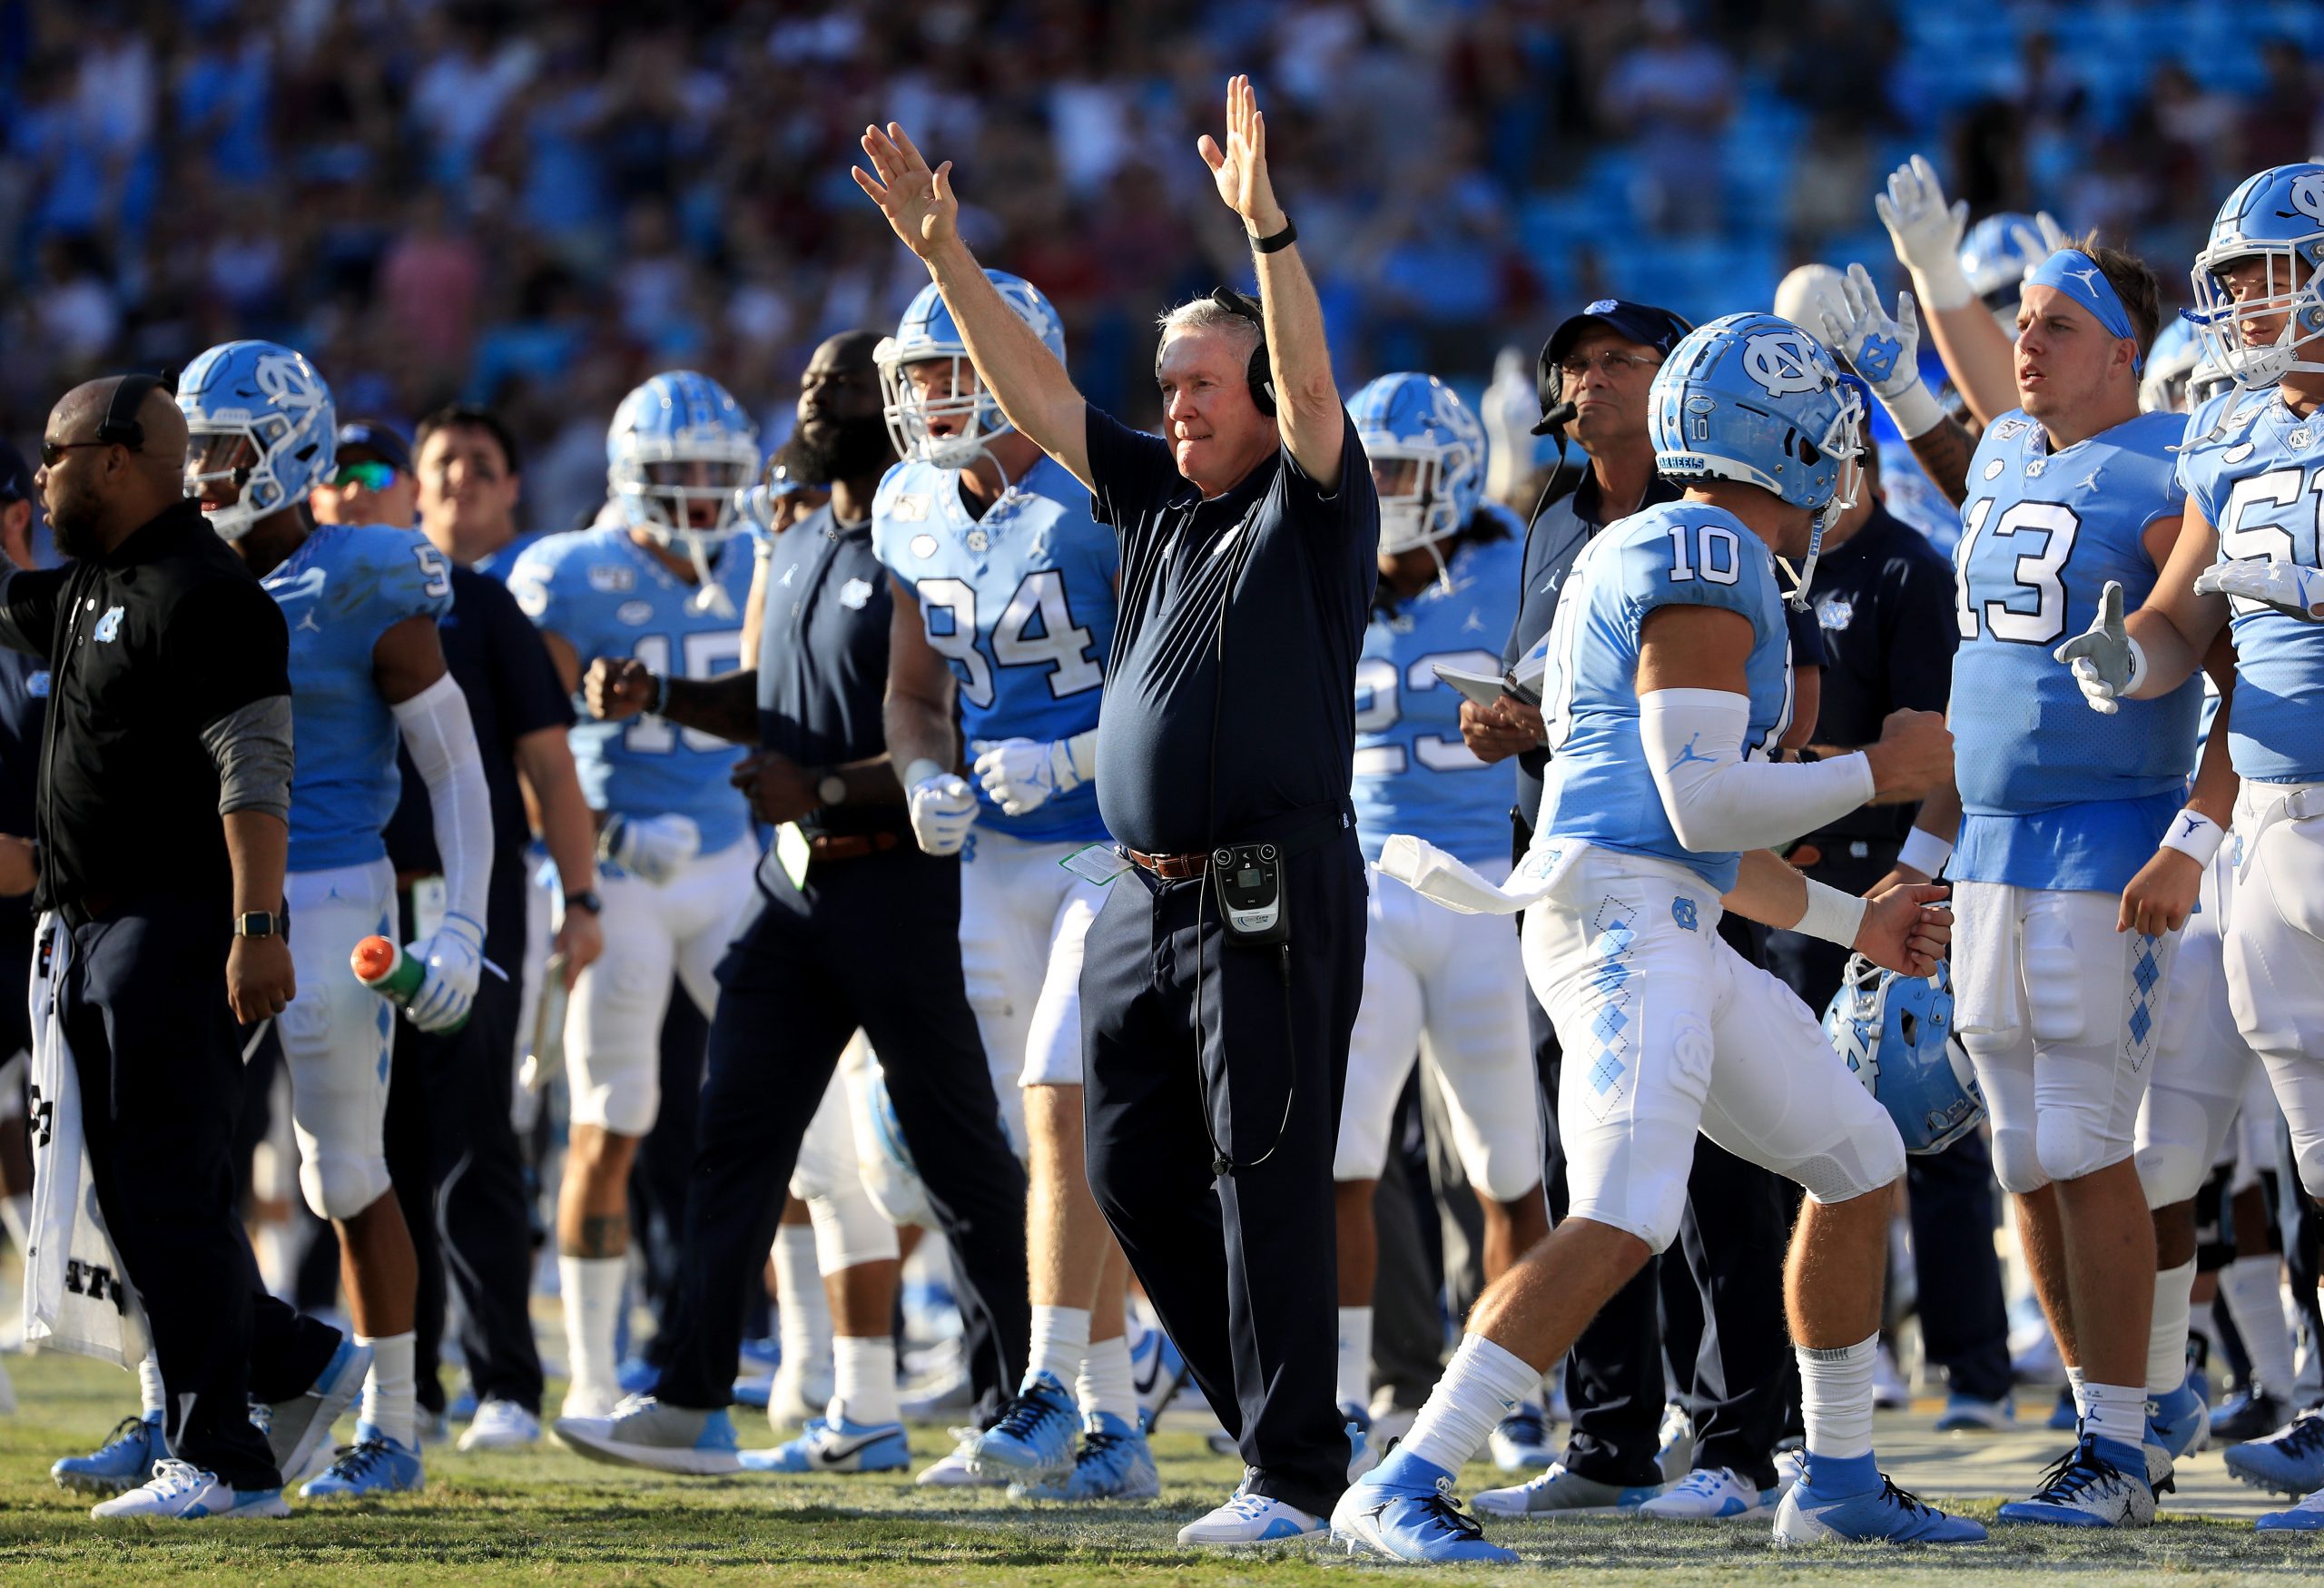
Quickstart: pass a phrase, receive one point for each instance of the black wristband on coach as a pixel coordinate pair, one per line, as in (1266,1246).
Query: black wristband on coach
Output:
(1279,241)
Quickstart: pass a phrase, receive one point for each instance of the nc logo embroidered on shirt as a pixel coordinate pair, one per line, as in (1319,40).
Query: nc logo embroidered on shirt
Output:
(1682,910)
(1835,612)
(108,627)
(855,595)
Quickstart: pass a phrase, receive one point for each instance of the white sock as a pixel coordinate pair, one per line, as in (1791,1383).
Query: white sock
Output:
(863,1379)
(1481,1385)
(804,1322)
(2115,1411)
(2166,1341)
(1060,1340)
(152,1399)
(1356,1357)
(391,1389)
(1107,1382)
(592,1290)
(1836,1397)
(2255,1300)
(2081,1401)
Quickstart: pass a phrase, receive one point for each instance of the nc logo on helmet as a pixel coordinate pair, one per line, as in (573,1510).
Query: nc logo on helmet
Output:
(283,379)
(2307,196)
(1781,362)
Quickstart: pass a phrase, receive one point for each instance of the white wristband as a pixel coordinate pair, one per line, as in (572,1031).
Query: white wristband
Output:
(2195,835)
(919,771)
(1916,413)
(1832,915)
(1924,852)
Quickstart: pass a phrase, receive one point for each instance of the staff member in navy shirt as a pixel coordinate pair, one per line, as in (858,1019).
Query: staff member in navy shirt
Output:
(24,701)
(853,927)
(452,1149)
(1214,1069)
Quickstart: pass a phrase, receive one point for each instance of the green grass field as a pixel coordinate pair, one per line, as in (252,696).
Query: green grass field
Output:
(548,1516)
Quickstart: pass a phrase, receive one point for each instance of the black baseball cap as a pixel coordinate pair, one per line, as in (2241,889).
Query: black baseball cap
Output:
(15,474)
(380,439)
(1643,324)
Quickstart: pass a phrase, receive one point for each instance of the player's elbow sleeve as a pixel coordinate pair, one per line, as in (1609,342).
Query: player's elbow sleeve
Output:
(1719,802)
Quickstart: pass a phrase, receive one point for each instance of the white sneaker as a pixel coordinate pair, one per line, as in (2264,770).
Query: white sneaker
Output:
(1248,1519)
(1559,1492)
(1708,1494)
(502,1424)
(181,1492)
(953,1472)
(591,1401)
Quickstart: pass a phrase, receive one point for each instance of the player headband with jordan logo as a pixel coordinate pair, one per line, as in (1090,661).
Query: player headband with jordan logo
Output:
(2077,275)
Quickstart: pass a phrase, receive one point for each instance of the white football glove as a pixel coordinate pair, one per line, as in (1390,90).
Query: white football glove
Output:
(2291,588)
(943,808)
(455,961)
(1020,774)
(655,848)
(2107,661)
(1884,351)
(1926,233)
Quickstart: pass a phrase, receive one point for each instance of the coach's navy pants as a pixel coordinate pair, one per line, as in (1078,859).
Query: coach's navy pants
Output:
(1243,1266)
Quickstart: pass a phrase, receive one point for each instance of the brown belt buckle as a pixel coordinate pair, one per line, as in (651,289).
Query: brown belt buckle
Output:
(1173,868)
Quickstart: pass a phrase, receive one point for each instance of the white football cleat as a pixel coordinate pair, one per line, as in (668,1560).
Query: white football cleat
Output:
(1252,1519)
(181,1492)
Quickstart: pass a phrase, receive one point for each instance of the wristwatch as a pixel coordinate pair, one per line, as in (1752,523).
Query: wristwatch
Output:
(833,789)
(586,899)
(261,923)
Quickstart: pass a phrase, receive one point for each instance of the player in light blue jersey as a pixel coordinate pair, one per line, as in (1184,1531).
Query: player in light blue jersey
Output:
(367,672)
(1451,572)
(2247,563)
(1005,598)
(2066,499)
(664,585)
(1668,688)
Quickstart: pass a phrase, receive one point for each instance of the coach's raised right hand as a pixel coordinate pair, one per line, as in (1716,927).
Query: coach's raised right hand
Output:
(615,689)
(918,203)
(1914,754)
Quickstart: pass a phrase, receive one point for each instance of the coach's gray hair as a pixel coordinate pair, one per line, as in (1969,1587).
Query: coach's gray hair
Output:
(1206,313)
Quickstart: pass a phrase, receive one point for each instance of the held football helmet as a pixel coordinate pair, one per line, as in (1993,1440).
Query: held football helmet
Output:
(1428,459)
(1753,398)
(259,418)
(2170,362)
(1896,1033)
(1996,255)
(946,394)
(679,449)
(2276,216)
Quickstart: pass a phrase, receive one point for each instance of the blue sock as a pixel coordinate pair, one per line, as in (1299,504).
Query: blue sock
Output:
(1834,1475)
(2129,1458)
(1401,1469)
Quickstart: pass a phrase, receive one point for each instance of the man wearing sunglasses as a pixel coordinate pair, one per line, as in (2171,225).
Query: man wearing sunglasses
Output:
(373,483)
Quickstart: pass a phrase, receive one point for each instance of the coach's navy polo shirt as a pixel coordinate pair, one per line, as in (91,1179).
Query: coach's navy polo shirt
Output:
(1302,561)
(822,662)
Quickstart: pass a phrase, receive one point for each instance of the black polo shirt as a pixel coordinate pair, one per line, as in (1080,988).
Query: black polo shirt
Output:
(1302,562)
(498,658)
(1885,601)
(23,707)
(146,648)
(822,662)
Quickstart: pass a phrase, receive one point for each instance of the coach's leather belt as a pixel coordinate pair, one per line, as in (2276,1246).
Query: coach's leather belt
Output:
(1171,868)
(850,845)
(1300,833)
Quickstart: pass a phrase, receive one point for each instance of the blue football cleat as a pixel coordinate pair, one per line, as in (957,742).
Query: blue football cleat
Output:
(2089,1486)
(754,1393)
(1115,1463)
(840,1446)
(2251,1413)
(1404,1510)
(637,1376)
(1521,1441)
(1034,1434)
(1888,1513)
(1158,1370)
(297,1428)
(2307,1517)
(2180,1422)
(2290,1461)
(374,1465)
(2065,1416)
(123,1461)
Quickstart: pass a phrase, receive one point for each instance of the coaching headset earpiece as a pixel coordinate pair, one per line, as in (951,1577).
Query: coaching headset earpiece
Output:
(1260,375)
(121,426)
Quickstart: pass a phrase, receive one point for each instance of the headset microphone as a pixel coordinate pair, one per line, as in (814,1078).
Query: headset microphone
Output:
(1555,417)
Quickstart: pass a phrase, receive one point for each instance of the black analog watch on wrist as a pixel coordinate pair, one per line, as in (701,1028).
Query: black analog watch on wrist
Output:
(586,899)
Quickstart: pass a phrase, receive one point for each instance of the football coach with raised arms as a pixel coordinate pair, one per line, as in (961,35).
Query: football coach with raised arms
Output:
(1221,978)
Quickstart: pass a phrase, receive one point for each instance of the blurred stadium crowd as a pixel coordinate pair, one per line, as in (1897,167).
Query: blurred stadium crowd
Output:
(536,202)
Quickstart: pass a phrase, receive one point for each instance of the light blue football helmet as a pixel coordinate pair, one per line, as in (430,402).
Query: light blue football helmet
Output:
(1434,448)
(1753,398)
(260,419)
(679,449)
(948,394)
(2278,216)
(1998,253)
(1896,1033)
